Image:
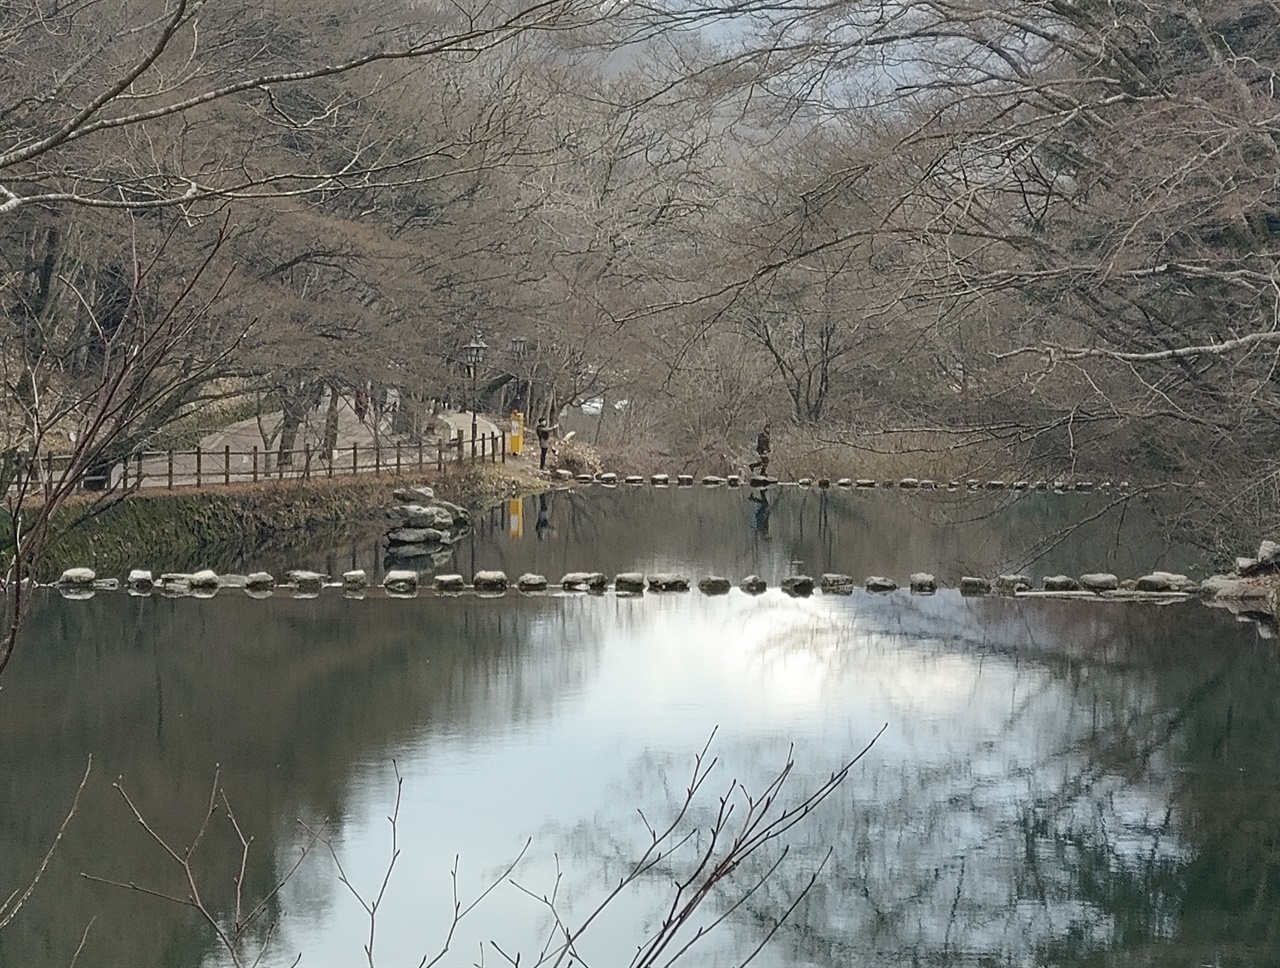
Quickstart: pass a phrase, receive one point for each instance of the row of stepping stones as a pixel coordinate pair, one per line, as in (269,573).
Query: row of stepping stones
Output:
(906,483)
(84,580)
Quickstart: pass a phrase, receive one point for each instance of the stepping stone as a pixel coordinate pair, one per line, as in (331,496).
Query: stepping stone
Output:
(753,584)
(834,584)
(662,480)
(864,482)
(878,583)
(1099,582)
(798,586)
(77,576)
(490,581)
(922,583)
(908,482)
(668,583)
(577,581)
(975,586)
(449,583)
(531,583)
(205,578)
(259,581)
(714,585)
(634,479)
(684,480)
(630,582)
(1012,584)
(401,581)
(1061,583)
(355,579)
(844,482)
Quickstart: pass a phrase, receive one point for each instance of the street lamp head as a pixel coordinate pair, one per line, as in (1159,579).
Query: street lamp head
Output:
(475,351)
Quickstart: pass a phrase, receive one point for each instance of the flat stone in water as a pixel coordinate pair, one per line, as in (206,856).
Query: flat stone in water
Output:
(631,581)
(668,583)
(490,581)
(584,580)
(1061,583)
(1099,582)
(753,584)
(530,582)
(878,583)
(401,580)
(77,576)
(714,585)
(259,580)
(922,583)
(970,585)
(799,586)
(837,584)
(449,583)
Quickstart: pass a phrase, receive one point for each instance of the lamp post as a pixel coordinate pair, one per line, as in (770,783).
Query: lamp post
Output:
(474,355)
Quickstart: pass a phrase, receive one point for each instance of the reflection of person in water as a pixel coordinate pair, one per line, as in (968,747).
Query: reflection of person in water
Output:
(543,524)
(762,512)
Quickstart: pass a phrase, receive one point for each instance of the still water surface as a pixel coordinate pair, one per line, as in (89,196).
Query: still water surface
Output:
(1059,783)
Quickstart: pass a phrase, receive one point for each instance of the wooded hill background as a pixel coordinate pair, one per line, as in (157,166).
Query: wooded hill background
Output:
(1036,234)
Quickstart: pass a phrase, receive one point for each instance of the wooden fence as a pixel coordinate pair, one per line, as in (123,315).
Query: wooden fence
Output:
(210,467)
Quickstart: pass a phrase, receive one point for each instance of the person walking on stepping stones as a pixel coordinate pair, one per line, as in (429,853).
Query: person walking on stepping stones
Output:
(762,451)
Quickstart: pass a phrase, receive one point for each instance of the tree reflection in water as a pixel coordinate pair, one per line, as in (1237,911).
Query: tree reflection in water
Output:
(1061,783)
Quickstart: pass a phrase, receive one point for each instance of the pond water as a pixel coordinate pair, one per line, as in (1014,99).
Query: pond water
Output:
(1057,783)
(737,532)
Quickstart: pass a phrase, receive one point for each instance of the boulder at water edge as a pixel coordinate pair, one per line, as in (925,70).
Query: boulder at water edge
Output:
(878,583)
(420,494)
(753,584)
(1160,581)
(355,578)
(421,516)
(77,576)
(530,582)
(259,581)
(970,585)
(449,583)
(140,580)
(714,585)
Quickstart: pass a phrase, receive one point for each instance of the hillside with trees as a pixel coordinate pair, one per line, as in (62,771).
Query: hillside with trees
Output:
(1036,235)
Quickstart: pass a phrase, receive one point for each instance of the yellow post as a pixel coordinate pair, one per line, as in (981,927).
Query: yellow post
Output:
(517,433)
(515,519)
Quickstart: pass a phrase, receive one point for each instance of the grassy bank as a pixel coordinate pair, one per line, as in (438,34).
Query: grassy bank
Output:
(187,527)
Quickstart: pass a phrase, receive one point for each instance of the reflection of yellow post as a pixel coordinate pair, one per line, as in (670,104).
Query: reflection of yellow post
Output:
(515,513)
(517,432)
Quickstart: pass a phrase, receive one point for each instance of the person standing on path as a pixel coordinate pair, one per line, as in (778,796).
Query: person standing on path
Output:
(544,440)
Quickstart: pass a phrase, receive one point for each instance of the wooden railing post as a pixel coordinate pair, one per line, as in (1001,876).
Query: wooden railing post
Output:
(306,461)
(419,455)
(328,464)
(124,474)
(199,460)
(460,445)
(280,459)
(138,466)
(377,459)
(255,463)
(397,458)
(440,455)
(171,468)
(226,464)
(504,447)
(355,458)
